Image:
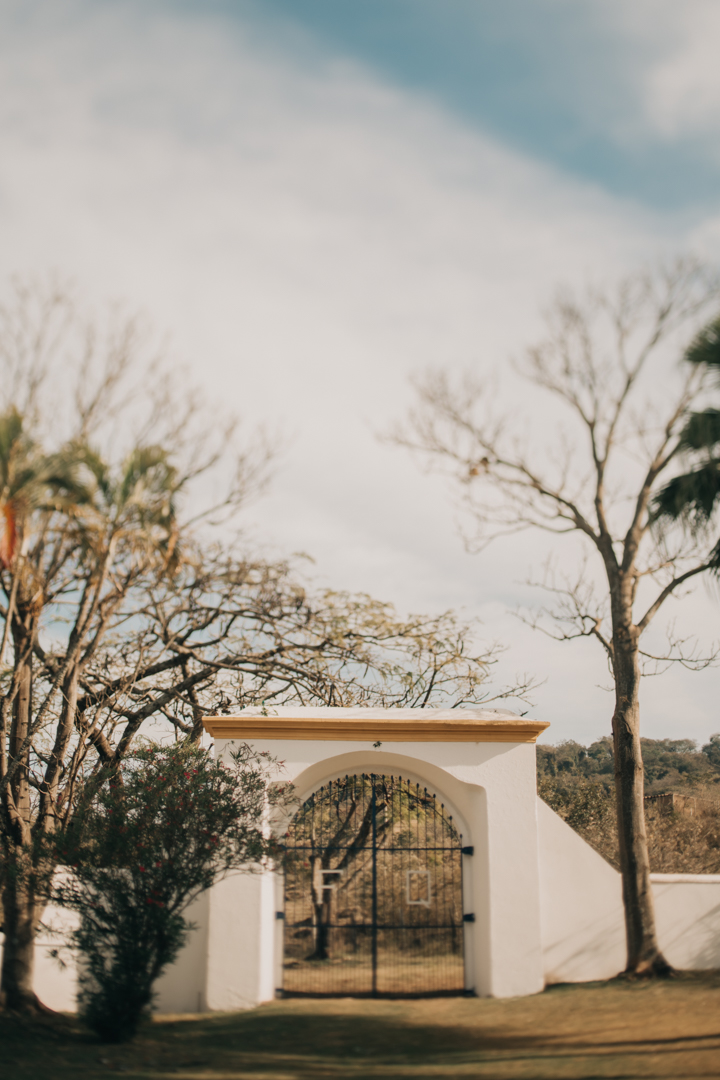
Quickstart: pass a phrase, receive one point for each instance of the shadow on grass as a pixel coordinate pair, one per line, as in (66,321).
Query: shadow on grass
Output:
(381,1037)
(571,1032)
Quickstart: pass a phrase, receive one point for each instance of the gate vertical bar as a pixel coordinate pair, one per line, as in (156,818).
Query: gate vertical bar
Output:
(374,887)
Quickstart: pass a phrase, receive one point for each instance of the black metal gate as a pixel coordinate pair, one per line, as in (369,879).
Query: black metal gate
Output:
(373,892)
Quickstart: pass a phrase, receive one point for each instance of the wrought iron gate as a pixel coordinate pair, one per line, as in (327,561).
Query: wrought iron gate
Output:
(373,892)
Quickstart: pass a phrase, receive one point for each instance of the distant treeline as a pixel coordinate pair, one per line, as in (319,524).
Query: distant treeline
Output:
(577,782)
(669,763)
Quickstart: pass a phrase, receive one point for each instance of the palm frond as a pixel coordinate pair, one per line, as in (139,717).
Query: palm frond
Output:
(705,346)
(149,479)
(715,560)
(701,431)
(690,497)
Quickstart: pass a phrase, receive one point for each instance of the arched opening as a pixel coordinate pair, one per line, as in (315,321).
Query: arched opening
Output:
(373,892)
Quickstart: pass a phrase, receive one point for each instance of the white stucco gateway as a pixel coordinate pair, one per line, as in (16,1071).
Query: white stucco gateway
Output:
(544,906)
(480,763)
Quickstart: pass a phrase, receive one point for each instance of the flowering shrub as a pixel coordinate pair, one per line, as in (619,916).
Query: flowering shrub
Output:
(164,827)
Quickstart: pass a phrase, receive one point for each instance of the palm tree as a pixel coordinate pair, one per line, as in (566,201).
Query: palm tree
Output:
(691,497)
(77,535)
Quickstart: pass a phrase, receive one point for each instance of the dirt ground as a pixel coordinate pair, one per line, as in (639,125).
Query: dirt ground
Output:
(617,1029)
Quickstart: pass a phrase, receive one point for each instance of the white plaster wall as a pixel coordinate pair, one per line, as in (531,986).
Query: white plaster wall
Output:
(583,927)
(583,930)
(57,977)
(687,909)
(181,987)
(514,939)
(241,942)
(55,981)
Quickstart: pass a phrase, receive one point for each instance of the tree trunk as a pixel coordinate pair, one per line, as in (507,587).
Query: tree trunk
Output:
(643,952)
(21,917)
(22,910)
(321,910)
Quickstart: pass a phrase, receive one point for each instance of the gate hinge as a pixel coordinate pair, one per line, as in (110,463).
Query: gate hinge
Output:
(467,850)
(280,915)
(470,917)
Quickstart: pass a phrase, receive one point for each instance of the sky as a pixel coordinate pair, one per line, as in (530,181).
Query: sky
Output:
(317,199)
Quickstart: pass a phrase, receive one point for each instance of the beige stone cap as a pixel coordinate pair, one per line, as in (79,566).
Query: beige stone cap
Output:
(373,725)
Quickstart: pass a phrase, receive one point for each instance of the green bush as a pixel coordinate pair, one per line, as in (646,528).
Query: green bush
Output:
(167,825)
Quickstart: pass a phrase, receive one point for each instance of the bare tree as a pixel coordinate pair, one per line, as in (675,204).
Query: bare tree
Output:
(121,618)
(614,432)
(95,451)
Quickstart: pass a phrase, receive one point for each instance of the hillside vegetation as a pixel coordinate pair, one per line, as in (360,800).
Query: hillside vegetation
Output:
(578,783)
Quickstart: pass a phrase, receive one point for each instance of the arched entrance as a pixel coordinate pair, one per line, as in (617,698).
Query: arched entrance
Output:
(482,761)
(373,892)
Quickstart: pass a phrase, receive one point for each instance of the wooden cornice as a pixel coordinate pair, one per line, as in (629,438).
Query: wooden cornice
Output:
(379,726)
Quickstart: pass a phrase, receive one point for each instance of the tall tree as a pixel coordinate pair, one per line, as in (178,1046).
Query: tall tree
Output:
(95,451)
(591,469)
(121,616)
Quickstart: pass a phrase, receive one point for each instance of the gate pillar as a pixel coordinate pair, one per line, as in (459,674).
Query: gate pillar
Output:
(480,762)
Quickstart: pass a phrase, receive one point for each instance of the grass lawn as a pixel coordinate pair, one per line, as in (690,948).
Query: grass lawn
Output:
(668,1029)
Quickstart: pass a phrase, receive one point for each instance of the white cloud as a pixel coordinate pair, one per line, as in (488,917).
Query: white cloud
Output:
(674,49)
(311,236)
(683,89)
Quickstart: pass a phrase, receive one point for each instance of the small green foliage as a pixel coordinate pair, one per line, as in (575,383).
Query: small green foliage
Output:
(668,763)
(163,828)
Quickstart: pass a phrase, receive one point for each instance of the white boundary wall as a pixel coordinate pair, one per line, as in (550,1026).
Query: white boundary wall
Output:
(688,916)
(583,929)
(581,909)
(547,907)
